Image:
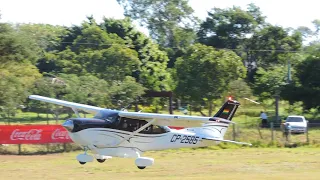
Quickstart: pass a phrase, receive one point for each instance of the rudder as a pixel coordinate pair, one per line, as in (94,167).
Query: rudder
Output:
(228,110)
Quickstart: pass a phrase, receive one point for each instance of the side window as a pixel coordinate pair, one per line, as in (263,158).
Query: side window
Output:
(157,130)
(131,125)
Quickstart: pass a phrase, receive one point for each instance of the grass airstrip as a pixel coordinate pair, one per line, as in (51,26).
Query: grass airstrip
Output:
(182,164)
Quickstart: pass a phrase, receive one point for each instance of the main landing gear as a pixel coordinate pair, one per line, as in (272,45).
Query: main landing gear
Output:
(143,162)
(101,160)
(84,158)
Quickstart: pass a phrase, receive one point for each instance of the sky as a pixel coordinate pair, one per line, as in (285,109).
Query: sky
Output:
(286,13)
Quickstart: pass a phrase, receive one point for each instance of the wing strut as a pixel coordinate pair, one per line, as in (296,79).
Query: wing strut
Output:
(76,112)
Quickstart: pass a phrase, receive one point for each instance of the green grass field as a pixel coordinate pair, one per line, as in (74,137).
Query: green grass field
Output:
(183,164)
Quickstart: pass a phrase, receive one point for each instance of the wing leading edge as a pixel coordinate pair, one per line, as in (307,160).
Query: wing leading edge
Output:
(86,108)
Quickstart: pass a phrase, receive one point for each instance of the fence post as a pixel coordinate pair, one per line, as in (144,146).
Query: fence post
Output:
(258,127)
(64,147)
(272,131)
(307,132)
(234,132)
(19,149)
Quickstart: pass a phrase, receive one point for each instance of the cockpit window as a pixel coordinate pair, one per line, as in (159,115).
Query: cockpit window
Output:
(131,125)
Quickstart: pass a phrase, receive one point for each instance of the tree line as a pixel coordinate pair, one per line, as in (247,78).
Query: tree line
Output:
(234,51)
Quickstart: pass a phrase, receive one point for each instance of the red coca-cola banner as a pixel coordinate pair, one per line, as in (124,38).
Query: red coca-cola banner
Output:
(33,134)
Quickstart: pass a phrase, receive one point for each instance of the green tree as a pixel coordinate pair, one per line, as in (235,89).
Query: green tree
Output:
(48,37)
(272,46)
(18,53)
(124,93)
(15,46)
(162,18)
(229,28)
(269,82)
(170,23)
(307,88)
(96,52)
(16,81)
(203,73)
(152,74)
(239,89)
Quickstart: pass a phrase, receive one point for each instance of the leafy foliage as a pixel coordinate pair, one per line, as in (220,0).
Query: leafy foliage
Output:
(270,82)
(153,62)
(228,28)
(204,72)
(170,23)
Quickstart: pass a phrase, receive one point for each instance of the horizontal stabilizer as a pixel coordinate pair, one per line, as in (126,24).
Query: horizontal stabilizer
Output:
(221,140)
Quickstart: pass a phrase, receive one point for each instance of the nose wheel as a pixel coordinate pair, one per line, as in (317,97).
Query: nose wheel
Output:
(141,167)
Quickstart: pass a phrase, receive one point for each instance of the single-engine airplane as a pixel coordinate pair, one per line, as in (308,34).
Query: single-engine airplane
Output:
(112,133)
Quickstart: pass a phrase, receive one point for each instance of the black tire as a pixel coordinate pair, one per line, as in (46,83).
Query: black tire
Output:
(101,160)
(82,162)
(141,167)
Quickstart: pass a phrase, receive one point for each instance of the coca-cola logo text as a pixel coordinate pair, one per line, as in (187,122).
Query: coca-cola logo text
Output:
(32,134)
(60,134)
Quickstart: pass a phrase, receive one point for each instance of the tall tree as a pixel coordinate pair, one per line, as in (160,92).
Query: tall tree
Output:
(229,28)
(272,45)
(96,52)
(15,46)
(170,23)
(152,73)
(204,72)
(306,84)
(270,82)
(17,72)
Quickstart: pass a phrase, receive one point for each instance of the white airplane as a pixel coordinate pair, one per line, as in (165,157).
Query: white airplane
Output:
(112,133)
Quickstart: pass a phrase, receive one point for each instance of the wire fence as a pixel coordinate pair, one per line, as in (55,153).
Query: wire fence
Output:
(275,134)
(244,130)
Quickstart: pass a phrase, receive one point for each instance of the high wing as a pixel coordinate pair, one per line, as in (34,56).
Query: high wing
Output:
(224,115)
(74,106)
(157,119)
(172,120)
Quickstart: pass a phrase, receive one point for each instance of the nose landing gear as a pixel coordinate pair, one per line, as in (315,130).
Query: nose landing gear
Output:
(84,158)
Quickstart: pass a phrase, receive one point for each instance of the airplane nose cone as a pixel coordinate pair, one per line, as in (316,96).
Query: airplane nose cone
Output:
(68,125)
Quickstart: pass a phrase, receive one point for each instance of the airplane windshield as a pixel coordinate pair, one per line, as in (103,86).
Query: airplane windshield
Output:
(108,115)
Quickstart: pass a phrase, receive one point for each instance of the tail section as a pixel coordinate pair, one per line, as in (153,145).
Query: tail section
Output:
(222,120)
(228,110)
(219,128)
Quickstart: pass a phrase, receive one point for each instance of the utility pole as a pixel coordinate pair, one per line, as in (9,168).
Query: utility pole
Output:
(289,72)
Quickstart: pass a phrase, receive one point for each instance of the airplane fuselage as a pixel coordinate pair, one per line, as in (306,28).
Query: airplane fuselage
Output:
(113,142)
